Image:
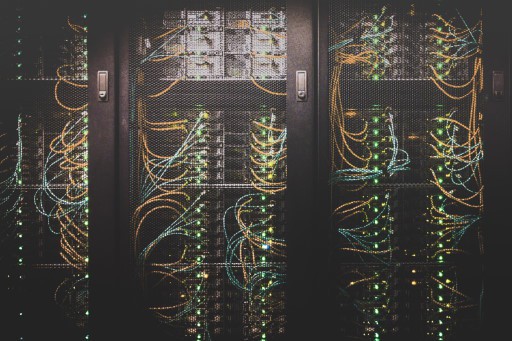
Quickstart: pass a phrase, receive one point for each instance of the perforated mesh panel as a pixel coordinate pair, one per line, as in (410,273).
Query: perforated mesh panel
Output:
(406,188)
(43,167)
(208,168)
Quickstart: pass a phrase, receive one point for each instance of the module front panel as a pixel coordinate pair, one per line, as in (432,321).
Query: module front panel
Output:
(406,82)
(208,169)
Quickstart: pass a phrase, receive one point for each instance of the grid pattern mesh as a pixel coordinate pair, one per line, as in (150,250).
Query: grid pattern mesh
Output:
(43,181)
(208,168)
(406,189)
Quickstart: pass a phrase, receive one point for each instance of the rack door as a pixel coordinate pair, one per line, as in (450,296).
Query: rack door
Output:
(209,125)
(44,224)
(405,178)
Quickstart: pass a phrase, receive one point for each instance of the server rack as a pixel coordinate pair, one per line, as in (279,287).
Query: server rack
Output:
(191,59)
(44,249)
(380,258)
(180,78)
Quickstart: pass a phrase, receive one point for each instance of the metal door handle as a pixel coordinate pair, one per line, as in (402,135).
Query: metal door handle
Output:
(302,86)
(103,86)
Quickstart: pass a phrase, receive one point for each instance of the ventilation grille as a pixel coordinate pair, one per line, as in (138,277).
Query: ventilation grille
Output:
(405,88)
(208,169)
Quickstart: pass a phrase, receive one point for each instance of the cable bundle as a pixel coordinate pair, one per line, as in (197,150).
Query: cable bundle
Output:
(457,148)
(170,254)
(255,254)
(364,151)
(63,195)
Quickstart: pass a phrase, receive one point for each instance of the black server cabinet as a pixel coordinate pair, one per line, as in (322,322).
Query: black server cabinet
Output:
(409,165)
(210,216)
(44,203)
(205,198)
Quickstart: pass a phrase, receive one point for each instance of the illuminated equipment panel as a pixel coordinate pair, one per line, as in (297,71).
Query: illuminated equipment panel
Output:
(406,186)
(208,169)
(43,172)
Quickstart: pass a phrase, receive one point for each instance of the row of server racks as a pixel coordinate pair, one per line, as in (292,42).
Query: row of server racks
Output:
(254,170)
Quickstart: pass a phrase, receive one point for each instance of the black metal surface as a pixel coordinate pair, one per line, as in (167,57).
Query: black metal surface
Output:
(305,264)
(104,179)
(497,49)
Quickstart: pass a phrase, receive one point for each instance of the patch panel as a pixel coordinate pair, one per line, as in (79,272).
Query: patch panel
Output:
(218,45)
